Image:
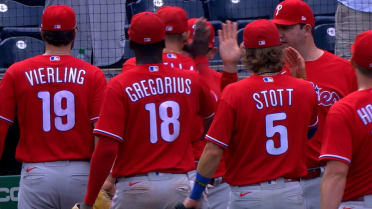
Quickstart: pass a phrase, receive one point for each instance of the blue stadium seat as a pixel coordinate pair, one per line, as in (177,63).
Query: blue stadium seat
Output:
(32,2)
(128,52)
(322,7)
(324,19)
(243,23)
(15,14)
(194,8)
(240,9)
(20,31)
(240,36)
(15,49)
(217,25)
(324,36)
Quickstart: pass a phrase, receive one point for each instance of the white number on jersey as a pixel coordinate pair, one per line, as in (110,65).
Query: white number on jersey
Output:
(271,130)
(68,111)
(166,123)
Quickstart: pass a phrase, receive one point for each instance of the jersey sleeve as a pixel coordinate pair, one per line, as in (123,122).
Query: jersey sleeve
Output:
(227,78)
(112,118)
(208,100)
(97,97)
(222,126)
(7,98)
(337,144)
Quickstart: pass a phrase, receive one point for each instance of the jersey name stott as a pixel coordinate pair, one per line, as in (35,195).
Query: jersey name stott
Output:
(55,75)
(158,86)
(365,114)
(273,98)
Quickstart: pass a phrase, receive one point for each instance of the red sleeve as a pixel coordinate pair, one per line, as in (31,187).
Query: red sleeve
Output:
(97,98)
(111,122)
(3,131)
(208,100)
(228,78)
(7,98)
(337,144)
(222,126)
(100,165)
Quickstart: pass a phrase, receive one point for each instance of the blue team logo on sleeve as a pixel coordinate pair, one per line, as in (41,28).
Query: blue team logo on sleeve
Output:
(55,58)
(171,56)
(153,68)
(268,79)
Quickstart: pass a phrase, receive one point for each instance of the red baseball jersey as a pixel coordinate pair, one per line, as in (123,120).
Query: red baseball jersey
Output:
(347,138)
(263,121)
(333,78)
(56,100)
(149,109)
(216,81)
(173,60)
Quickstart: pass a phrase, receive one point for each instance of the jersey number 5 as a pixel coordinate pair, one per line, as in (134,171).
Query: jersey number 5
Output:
(271,130)
(167,121)
(61,110)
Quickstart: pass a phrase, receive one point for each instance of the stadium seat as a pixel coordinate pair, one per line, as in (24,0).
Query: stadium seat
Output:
(15,14)
(128,52)
(194,8)
(240,9)
(217,25)
(217,59)
(240,36)
(20,31)
(15,49)
(325,37)
(243,23)
(324,20)
(323,7)
(32,2)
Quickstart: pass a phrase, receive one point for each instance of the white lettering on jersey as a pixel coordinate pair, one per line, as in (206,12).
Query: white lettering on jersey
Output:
(365,114)
(52,75)
(272,98)
(150,87)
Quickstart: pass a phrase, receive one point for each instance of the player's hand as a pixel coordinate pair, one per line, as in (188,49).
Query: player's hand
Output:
(109,186)
(190,203)
(199,45)
(229,49)
(82,206)
(296,62)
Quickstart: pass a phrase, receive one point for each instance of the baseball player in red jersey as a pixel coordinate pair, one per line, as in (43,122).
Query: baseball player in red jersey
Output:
(263,121)
(144,125)
(175,20)
(332,77)
(218,195)
(347,146)
(56,98)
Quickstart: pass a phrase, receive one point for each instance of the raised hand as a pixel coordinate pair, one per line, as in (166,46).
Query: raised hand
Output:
(229,49)
(296,63)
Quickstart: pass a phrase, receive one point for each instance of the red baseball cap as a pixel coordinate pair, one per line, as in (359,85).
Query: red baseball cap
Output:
(146,28)
(58,18)
(362,50)
(174,18)
(261,34)
(292,12)
(191,26)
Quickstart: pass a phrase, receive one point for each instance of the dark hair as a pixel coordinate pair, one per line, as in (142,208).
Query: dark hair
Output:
(366,72)
(269,58)
(58,38)
(147,49)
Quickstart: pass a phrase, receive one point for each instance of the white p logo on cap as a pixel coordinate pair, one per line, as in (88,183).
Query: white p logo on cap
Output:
(278,8)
